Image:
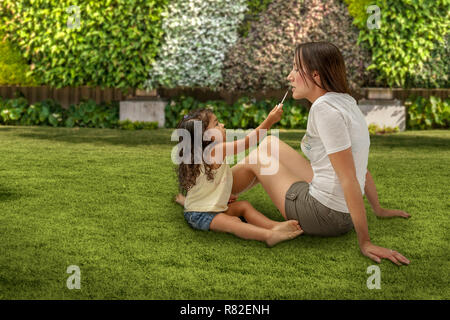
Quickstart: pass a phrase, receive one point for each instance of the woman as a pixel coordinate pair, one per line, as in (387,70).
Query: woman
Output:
(324,195)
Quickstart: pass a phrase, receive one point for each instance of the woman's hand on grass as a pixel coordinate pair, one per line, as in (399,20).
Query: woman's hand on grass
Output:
(377,253)
(387,213)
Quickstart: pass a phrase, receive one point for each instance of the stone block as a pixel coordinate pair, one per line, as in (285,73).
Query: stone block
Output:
(143,110)
(380,93)
(389,113)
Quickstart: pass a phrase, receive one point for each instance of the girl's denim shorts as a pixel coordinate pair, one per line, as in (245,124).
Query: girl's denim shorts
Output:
(199,220)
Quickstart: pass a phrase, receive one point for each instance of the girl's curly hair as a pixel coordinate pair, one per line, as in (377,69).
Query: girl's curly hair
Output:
(188,172)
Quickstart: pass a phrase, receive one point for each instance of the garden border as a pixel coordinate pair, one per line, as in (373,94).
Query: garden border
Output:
(73,95)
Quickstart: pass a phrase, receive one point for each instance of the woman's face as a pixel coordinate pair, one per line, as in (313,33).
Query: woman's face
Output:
(300,88)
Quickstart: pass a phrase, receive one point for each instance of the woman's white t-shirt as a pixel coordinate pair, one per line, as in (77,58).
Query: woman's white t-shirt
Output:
(335,123)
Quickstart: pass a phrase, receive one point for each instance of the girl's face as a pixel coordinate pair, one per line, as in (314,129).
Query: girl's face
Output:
(300,87)
(215,124)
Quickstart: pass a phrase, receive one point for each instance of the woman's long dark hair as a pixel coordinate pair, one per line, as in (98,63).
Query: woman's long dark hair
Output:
(188,172)
(326,58)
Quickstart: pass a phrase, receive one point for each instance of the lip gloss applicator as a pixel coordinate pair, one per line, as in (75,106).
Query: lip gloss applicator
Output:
(283,99)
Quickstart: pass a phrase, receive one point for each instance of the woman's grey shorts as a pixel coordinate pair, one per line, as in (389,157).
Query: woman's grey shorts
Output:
(314,218)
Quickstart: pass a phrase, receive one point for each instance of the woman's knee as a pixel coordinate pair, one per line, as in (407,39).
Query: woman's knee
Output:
(269,145)
(270,139)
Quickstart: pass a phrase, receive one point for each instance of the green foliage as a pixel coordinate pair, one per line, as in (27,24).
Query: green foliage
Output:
(113,46)
(245,113)
(48,112)
(358,10)
(254,9)
(13,68)
(89,114)
(407,42)
(11,110)
(436,70)
(375,129)
(137,125)
(18,112)
(429,113)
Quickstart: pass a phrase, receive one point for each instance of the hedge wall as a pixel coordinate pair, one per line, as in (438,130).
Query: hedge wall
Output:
(198,34)
(244,45)
(411,47)
(264,59)
(13,68)
(113,46)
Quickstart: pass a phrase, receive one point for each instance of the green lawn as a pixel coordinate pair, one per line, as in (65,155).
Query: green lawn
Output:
(101,199)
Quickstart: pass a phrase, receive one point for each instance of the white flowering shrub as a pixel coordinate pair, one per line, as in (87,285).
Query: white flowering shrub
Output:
(198,33)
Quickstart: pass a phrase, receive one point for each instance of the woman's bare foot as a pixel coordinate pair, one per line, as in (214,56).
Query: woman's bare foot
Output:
(279,236)
(290,225)
(179,198)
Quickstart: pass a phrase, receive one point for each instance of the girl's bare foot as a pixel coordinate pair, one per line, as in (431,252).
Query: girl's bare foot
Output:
(179,198)
(279,236)
(290,225)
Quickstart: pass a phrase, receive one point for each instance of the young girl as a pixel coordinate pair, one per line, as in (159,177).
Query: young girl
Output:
(208,204)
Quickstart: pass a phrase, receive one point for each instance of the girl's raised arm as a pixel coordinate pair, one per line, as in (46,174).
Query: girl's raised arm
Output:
(254,136)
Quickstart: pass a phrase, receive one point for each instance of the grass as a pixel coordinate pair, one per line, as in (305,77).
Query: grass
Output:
(101,199)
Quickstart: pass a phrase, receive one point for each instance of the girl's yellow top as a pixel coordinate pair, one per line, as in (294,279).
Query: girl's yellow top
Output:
(210,196)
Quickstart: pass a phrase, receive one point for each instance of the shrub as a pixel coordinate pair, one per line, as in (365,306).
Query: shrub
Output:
(137,125)
(428,113)
(264,59)
(113,47)
(48,112)
(436,69)
(11,110)
(198,33)
(255,7)
(13,68)
(375,129)
(89,114)
(407,45)
(358,10)
(18,112)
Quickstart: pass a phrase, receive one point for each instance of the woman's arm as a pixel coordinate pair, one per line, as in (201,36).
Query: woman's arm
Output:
(371,193)
(344,167)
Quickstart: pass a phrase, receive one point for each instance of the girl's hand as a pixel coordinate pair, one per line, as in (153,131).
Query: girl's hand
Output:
(386,213)
(275,115)
(377,253)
